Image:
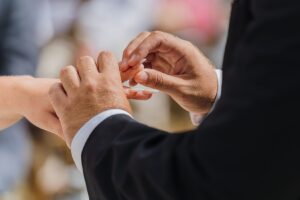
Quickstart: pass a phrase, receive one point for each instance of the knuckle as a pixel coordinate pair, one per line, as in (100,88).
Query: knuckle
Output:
(158,35)
(144,33)
(189,44)
(84,58)
(182,87)
(105,54)
(90,85)
(158,81)
(141,51)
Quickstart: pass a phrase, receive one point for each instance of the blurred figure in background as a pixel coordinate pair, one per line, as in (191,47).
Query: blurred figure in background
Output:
(18,56)
(198,19)
(202,22)
(111,24)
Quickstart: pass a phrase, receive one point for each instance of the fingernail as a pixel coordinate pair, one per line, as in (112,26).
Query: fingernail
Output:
(140,93)
(141,77)
(145,92)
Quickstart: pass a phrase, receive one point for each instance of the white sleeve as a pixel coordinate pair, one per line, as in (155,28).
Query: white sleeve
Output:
(195,118)
(85,131)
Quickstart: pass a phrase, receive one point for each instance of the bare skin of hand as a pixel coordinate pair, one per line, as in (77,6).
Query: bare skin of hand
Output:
(173,66)
(131,93)
(28,97)
(86,91)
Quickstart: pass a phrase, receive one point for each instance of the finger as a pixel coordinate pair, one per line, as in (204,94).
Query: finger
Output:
(57,97)
(158,80)
(132,83)
(155,42)
(70,79)
(108,64)
(131,72)
(87,68)
(138,95)
(130,48)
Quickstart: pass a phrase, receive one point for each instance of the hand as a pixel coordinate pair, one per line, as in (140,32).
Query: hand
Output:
(31,101)
(86,91)
(175,67)
(8,119)
(24,96)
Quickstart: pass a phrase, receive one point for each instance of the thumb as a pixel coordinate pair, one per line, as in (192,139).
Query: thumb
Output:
(158,80)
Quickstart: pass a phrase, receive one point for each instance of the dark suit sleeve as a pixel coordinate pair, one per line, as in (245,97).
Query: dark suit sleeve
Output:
(18,46)
(247,148)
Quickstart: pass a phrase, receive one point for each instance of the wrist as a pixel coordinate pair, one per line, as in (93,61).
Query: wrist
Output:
(20,93)
(205,83)
(9,112)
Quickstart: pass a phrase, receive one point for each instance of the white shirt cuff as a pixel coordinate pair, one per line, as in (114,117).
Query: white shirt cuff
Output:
(196,118)
(85,131)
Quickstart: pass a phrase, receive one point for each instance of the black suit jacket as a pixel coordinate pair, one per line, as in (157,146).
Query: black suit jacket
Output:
(247,148)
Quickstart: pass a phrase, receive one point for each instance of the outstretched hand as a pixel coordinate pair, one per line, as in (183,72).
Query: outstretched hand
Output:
(27,97)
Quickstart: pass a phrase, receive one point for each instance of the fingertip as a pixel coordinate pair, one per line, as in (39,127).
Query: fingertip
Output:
(147,93)
(139,67)
(105,55)
(141,77)
(131,72)
(132,82)
(138,95)
(123,66)
(63,71)
(131,94)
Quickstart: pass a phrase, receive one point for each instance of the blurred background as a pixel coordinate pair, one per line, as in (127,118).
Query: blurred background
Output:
(47,35)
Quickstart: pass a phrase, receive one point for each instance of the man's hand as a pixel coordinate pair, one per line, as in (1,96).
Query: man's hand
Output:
(86,91)
(173,66)
(27,97)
